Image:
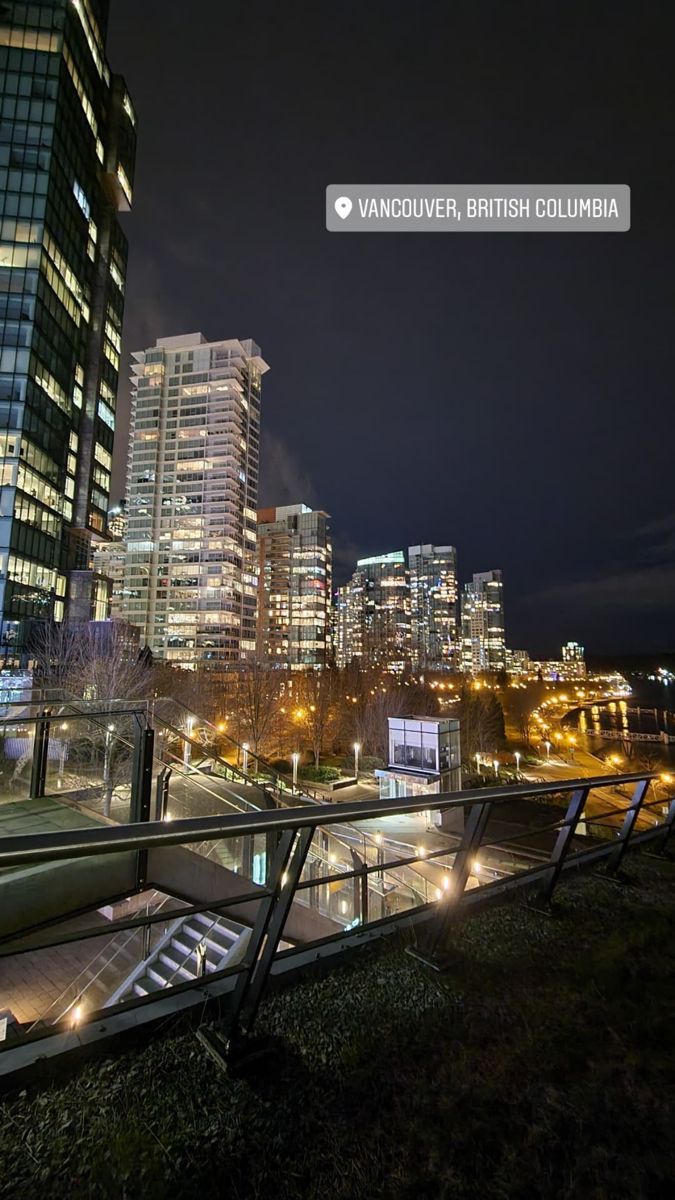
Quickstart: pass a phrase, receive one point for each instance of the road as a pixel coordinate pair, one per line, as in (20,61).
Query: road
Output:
(601,800)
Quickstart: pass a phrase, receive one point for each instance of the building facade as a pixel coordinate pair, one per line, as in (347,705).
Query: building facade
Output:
(190,579)
(348,622)
(483,639)
(67,151)
(381,610)
(294,587)
(573,656)
(433,606)
(109,561)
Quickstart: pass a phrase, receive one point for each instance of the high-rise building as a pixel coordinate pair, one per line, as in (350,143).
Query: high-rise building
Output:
(518,662)
(381,594)
(348,621)
(433,606)
(67,150)
(483,642)
(294,586)
(190,579)
(574,660)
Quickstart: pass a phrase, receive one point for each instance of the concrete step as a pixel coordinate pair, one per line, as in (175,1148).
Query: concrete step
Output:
(146,985)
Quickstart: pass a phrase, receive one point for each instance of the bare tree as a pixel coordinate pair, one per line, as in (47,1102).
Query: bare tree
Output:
(481,719)
(93,661)
(519,704)
(256,701)
(98,663)
(315,694)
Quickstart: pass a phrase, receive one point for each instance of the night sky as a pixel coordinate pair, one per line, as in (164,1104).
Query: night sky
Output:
(508,393)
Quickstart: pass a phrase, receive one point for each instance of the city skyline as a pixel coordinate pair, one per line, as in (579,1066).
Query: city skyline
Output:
(472,390)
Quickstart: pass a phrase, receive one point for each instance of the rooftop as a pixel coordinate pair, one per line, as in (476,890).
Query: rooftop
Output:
(539,1065)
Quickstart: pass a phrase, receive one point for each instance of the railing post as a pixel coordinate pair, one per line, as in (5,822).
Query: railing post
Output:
(162,793)
(360,887)
(542,897)
(38,772)
(667,828)
(141,774)
(616,857)
(141,791)
(266,933)
(434,952)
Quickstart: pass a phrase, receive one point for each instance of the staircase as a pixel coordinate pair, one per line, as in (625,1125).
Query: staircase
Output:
(175,960)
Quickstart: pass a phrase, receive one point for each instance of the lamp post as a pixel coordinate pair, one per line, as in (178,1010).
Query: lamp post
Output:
(478,763)
(496,767)
(548,749)
(357,749)
(295,759)
(517,757)
(245,748)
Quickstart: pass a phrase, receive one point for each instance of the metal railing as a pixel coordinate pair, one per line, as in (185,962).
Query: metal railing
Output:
(298,873)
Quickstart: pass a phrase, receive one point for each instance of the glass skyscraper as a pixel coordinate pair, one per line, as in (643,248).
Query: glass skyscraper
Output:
(67,150)
(483,640)
(294,586)
(433,602)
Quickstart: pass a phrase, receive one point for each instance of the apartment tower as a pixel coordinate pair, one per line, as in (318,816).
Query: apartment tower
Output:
(190,578)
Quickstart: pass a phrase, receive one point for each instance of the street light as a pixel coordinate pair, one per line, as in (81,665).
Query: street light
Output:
(517,757)
(357,748)
(496,767)
(245,747)
(295,758)
(478,763)
(548,749)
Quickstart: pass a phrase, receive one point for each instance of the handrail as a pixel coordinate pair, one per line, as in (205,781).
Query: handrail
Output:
(75,983)
(220,733)
(41,847)
(294,830)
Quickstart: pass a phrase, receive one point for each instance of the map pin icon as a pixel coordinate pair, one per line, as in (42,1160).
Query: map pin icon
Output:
(343,206)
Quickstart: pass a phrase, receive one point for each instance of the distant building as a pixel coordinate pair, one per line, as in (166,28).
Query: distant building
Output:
(190,580)
(483,640)
(433,606)
(518,662)
(348,621)
(294,586)
(371,618)
(574,660)
(566,669)
(385,611)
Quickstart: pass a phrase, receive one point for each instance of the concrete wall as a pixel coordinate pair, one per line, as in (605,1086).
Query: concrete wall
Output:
(188,875)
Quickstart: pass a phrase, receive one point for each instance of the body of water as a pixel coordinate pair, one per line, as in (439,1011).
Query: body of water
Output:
(633,727)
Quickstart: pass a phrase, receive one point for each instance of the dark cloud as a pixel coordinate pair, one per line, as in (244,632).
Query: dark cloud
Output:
(282,480)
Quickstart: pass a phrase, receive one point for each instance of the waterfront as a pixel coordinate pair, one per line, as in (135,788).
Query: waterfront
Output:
(639,728)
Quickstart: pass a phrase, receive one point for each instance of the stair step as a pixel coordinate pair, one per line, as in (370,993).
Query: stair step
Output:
(182,948)
(143,987)
(221,938)
(218,932)
(164,975)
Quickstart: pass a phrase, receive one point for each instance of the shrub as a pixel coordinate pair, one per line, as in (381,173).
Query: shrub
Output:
(319,774)
(369,762)
(281,765)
